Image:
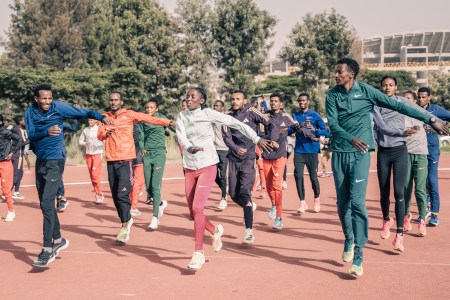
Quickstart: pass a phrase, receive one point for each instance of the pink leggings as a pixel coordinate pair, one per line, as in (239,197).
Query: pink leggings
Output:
(198,184)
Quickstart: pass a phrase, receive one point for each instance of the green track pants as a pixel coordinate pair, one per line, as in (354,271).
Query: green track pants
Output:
(154,163)
(417,172)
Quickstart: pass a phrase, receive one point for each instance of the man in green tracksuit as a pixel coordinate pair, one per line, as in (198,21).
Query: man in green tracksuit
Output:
(153,144)
(348,109)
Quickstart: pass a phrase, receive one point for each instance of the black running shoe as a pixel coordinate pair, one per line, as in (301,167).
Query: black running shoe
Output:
(60,246)
(149,200)
(44,259)
(63,203)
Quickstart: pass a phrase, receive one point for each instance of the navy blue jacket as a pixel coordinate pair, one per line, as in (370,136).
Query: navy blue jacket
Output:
(302,143)
(38,123)
(432,136)
(234,139)
(282,121)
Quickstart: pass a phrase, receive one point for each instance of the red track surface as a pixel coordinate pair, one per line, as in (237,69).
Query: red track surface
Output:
(301,261)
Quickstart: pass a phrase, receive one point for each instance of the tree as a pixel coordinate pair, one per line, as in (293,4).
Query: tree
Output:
(240,32)
(49,32)
(290,86)
(405,81)
(439,83)
(316,44)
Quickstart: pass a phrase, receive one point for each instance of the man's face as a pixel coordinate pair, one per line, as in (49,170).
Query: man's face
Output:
(410,97)
(424,99)
(218,106)
(303,102)
(115,103)
(343,75)
(44,100)
(275,103)
(92,122)
(237,101)
(151,108)
(388,87)
(193,99)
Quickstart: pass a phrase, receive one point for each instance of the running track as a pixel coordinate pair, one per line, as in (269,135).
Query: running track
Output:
(300,262)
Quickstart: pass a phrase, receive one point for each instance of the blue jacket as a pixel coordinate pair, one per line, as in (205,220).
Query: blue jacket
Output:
(432,137)
(302,143)
(38,123)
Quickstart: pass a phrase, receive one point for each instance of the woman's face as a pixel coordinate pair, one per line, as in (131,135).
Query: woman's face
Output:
(193,99)
(389,87)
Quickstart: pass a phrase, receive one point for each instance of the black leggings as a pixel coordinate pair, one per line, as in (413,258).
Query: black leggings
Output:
(396,159)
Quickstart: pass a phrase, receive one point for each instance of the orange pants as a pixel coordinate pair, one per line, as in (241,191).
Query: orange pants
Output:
(260,165)
(6,177)
(137,184)
(273,171)
(94,164)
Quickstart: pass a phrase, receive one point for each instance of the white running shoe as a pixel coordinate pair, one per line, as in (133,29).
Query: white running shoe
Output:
(154,223)
(249,238)
(10,216)
(222,204)
(303,207)
(17,196)
(284,185)
(135,212)
(198,259)
(163,206)
(254,206)
(99,199)
(217,238)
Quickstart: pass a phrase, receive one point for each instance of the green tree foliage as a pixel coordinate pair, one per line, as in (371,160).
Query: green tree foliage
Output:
(290,86)
(405,80)
(316,44)
(240,32)
(440,88)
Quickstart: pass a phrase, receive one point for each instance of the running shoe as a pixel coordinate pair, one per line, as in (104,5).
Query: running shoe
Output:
(154,223)
(10,216)
(123,235)
(434,221)
(249,238)
(303,207)
(422,231)
(135,212)
(17,196)
(273,212)
(149,200)
(398,243)
(62,204)
(162,207)
(222,204)
(357,266)
(254,206)
(217,238)
(316,205)
(385,232)
(348,253)
(58,247)
(278,223)
(99,199)
(284,185)
(428,213)
(198,259)
(258,187)
(44,259)
(407,222)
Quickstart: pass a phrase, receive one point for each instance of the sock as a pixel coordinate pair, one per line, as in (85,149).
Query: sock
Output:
(57,241)
(48,249)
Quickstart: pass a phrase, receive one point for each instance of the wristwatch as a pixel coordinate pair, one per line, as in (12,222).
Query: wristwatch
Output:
(432,120)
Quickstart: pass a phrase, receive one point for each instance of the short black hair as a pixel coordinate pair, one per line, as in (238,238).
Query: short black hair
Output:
(154,101)
(388,77)
(303,95)
(276,94)
(17,119)
(351,64)
(221,102)
(116,92)
(201,91)
(412,93)
(41,87)
(424,90)
(240,92)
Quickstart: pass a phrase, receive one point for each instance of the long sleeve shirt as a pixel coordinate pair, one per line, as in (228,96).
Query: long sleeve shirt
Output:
(23,140)
(432,137)
(89,139)
(390,124)
(302,143)
(151,137)
(195,129)
(44,145)
(9,142)
(282,121)
(348,114)
(235,140)
(120,144)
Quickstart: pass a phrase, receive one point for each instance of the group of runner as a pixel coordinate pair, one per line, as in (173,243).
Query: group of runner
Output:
(215,144)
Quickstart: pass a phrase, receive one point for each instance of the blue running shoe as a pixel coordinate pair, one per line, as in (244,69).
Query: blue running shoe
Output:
(434,221)
(278,224)
(273,212)
(357,268)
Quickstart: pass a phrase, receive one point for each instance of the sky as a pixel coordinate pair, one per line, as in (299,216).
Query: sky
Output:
(369,18)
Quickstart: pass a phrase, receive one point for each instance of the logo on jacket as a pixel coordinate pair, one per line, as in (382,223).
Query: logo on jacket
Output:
(282,124)
(245,120)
